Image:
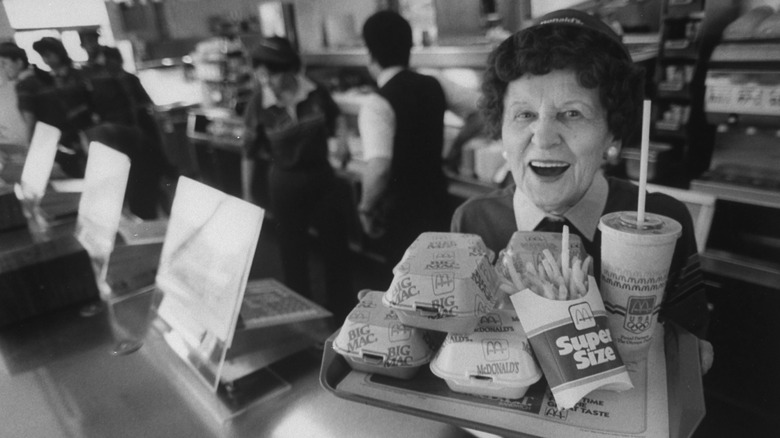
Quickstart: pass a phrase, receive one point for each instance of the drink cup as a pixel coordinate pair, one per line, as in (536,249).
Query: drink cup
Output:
(634,269)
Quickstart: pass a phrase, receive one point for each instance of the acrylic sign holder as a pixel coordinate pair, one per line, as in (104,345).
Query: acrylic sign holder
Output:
(202,275)
(100,207)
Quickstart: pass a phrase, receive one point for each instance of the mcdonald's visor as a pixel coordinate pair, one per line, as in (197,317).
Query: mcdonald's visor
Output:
(445,289)
(373,340)
(495,360)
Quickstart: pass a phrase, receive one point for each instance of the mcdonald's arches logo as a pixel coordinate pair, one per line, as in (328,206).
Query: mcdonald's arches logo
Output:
(582,316)
(490,319)
(640,306)
(359,316)
(443,283)
(495,349)
(399,332)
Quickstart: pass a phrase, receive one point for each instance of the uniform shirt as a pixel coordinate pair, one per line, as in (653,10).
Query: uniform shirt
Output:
(13,129)
(72,93)
(28,89)
(294,137)
(376,121)
(495,217)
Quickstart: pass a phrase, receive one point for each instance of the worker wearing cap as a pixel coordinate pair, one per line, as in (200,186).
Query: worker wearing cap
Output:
(15,122)
(90,42)
(288,122)
(68,104)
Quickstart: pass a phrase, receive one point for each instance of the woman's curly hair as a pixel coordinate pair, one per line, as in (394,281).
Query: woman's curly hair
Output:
(598,62)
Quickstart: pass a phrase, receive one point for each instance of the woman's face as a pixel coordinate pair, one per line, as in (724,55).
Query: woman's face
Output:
(51,59)
(555,136)
(11,68)
(278,82)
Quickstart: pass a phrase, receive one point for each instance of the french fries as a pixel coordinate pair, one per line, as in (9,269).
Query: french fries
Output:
(555,279)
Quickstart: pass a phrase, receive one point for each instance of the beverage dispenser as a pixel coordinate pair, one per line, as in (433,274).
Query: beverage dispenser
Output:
(742,99)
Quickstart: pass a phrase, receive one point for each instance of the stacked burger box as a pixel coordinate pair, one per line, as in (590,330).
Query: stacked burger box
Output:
(373,340)
(444,286)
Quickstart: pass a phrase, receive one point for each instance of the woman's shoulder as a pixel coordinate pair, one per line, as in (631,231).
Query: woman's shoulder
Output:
(486,206)
(490,215)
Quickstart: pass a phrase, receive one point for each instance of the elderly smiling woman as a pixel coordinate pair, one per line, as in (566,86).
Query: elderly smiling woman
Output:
(564,96)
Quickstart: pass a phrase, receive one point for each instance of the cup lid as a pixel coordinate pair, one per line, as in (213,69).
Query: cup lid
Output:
(626,223)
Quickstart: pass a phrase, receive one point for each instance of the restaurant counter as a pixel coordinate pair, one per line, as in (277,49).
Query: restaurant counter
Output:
(59,377)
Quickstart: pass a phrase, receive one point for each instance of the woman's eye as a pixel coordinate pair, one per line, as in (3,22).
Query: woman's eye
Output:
(524,115)
(572,114)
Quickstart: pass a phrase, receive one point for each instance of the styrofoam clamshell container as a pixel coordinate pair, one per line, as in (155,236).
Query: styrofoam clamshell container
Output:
(432,240)
(374,340)
(495,360)
(443,289)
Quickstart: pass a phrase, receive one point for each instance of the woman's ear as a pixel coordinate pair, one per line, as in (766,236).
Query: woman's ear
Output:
(612,151)
(373,67)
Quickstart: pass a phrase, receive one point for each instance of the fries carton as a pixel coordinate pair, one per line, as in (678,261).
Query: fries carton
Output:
(373,340)
(495,361)
(443,241)
(573,344)
(443,289)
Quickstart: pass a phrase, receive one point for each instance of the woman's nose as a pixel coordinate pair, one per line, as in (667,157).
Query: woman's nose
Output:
(545,132)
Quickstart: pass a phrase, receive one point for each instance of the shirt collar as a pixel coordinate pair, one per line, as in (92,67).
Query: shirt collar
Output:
(386,74)
(305,87)
(584,215)
(24,74)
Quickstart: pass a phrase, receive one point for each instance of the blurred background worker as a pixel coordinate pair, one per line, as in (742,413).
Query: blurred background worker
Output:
(101,103)
(123,113)
(13,121)
(28,81)
(65,104)
(404,189)
(288,121)
(90,42)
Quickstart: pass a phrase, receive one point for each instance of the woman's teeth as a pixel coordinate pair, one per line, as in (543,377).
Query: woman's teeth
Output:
(547,168)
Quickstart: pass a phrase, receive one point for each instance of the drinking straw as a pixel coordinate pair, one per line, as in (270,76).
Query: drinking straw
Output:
(640,214)
(565,269)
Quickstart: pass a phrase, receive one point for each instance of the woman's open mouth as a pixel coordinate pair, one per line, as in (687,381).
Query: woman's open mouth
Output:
(548,168)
